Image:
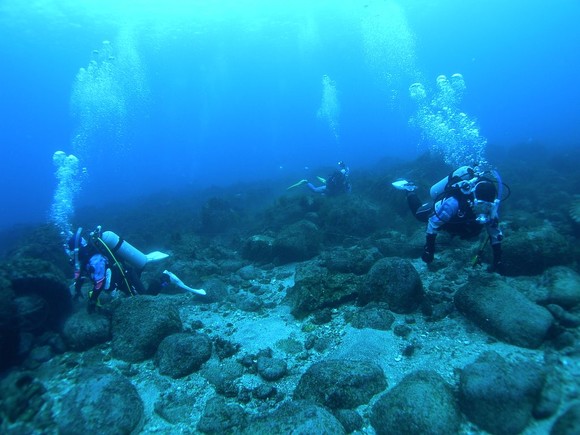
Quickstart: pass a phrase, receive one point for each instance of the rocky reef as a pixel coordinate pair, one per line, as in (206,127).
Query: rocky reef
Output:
(319,317)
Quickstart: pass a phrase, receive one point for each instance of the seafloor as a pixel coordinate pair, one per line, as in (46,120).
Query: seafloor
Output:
(319,316)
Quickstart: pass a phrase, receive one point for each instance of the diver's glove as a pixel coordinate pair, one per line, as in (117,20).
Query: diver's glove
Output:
(497,265)
(429,249)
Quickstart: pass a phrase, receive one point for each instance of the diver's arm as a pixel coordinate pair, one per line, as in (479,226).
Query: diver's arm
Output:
(444,211)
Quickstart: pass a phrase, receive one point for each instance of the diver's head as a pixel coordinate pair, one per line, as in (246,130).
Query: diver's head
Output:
(343,168)
(485,191)
(484,201)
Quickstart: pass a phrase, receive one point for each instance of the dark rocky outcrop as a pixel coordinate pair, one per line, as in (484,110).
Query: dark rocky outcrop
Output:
(140,324)
(504,312)
(394,281)
(338,384)
(499,395)
(181,354)
(421,403)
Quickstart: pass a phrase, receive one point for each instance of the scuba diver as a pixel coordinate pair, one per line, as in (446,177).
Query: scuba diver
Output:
(112,265)
(462,204)
(337,183)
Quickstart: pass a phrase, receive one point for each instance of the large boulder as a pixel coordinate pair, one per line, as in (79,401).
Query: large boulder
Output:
(504,312)
(532,251)
(341,384)
(350,260)
(297,417)
(297,242)
(421,403)
(394,281)
(499,395)
(220,416)
(140,324)
(316,287)
(181,354)
(81,331)
(562,287)
(349,215)
(102,401)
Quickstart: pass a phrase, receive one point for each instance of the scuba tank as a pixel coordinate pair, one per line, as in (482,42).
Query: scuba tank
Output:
(124,250)
(127,252)
(464,173)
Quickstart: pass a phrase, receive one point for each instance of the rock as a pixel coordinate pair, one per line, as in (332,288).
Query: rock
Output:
(349,215)
(421,403)
(223,375)
(41,288)
(498,395)
(248,302)
(103,402)
(259,248)
(563,287)
(81,331)
(350,260)
(532,251)
(296,417)
(375,316)
(394,281)
(140,324)
(315,288)
(568,423)
(551,397)
(21,396)
(351,420)
(221,417)
(338,384)
(249,272)
(504,312)
(181,354)
(297,242)
(271,369)
(175,406)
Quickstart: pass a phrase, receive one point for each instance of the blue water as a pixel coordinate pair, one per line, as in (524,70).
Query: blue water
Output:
(197,93)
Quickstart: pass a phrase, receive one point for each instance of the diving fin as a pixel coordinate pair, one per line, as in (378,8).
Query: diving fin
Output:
(322,180)
(179,283)
(300,183)
(156,256)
